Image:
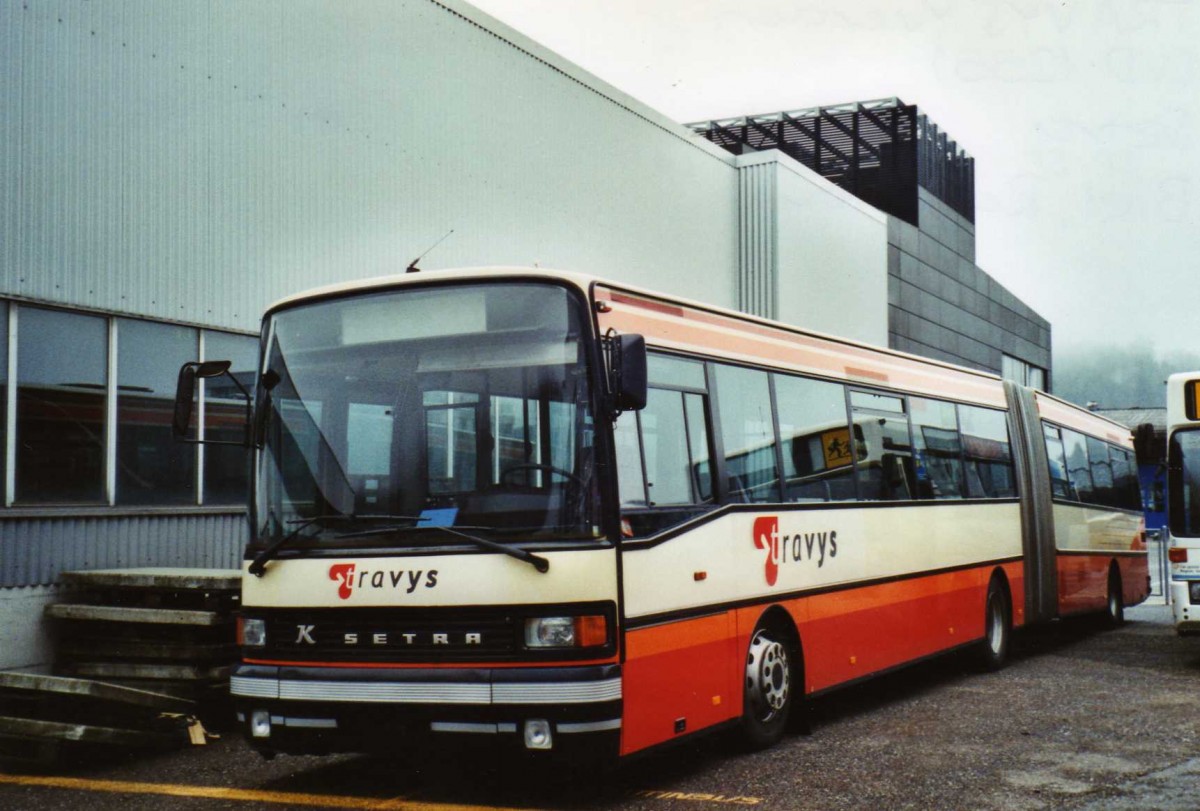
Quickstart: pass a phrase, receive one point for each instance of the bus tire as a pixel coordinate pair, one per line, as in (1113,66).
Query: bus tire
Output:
(991,653)
(1114,603)
(769,687)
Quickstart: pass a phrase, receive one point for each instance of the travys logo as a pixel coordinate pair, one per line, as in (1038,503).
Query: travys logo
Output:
(796,547)
(350,579)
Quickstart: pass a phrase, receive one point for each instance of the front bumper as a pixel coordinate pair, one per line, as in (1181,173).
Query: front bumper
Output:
(325,709)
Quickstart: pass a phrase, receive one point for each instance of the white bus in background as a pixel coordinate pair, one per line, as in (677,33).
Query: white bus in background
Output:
(1183,499)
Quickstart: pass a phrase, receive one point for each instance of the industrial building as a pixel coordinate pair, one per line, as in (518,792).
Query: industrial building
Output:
(170,169)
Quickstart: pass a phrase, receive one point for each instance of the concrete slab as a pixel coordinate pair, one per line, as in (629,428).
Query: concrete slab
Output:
(84,733)
(99,691)
(157,578)
(155,616)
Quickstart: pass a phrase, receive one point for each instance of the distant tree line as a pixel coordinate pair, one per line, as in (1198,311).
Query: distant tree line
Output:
(1130,376)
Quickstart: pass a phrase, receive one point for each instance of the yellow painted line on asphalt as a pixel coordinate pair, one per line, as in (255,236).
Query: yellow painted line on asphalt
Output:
(239,794)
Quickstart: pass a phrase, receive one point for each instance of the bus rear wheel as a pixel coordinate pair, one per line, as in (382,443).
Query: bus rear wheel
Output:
(992,652)
(769,693)
(1114,604)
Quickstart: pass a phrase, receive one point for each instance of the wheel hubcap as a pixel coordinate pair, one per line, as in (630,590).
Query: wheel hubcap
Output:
(767,681)
(996,627)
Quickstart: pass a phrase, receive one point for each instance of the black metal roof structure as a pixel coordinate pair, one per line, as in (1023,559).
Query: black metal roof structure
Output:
(880,151)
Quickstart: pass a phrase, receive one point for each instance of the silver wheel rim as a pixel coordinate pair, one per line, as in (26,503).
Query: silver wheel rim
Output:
(995,626)
(767,676)
(1114,608)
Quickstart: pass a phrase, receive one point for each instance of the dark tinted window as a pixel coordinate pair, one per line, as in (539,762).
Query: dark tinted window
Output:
(986,452)
(1183,500)
(152,467)
(748,433)
(879,429)
(1079,470)
(818,457)
(1060,485)
(1102,473)
(937,448)
(62,377)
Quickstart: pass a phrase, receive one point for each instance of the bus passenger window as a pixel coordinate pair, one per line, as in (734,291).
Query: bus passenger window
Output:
(1102,474)
(937,448)
(748,431)
(882,448)
(818,459)
(987,452)
(1078,470)
(1060,485)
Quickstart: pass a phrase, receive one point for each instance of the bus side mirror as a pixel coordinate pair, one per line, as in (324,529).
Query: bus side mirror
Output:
(629,373)
(185,394)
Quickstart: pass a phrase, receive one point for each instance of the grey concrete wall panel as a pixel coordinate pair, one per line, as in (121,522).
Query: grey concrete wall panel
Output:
(34,551)
(196,161)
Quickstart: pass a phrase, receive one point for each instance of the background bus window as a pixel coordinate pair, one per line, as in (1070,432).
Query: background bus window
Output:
(1102,475)
(987,453)
(1183,500)
(1060,485)
(1078,471)
(818,462)
(882,447)
(451,442)
(62,378)
(937,448)
(631,483)
(152,468)
(748,432)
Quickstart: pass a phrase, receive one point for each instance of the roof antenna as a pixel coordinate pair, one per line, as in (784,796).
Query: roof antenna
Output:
(412,266)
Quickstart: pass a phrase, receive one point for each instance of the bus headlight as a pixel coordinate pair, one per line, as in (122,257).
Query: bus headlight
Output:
(252,633)
(565,632)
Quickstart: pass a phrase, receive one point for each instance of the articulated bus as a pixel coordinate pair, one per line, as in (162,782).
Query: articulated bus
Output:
(565,515)
(1183,499)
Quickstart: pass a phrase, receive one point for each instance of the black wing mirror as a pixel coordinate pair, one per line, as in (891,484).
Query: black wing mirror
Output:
(628,373)
(185,395)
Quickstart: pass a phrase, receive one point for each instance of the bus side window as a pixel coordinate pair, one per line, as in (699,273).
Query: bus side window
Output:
(663,460)
(1102,472)
(748,433)
(818,459)
(987,452)
(938,449)
(1078,469)
(882,447)
(1060,485)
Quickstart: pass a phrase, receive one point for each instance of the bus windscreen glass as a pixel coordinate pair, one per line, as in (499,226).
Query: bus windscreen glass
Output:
(390,413)
(1184,501)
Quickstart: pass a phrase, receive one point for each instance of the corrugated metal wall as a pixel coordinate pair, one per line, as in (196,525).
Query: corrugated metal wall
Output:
(758,281)
(196,161)
(34,551)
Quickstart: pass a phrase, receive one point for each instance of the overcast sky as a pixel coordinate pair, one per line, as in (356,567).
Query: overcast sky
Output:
(1083,119)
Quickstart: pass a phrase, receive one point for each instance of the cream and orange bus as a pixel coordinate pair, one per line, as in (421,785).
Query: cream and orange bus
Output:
(563,514)
(1183,499)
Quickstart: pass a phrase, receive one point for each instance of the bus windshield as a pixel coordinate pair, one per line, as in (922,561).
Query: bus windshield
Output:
(444,406)
(1183,503)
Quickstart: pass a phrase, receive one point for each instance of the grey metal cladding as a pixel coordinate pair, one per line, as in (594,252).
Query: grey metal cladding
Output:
(37,550)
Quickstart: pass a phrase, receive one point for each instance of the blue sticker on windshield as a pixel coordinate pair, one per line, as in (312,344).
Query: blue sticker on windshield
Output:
(438,518)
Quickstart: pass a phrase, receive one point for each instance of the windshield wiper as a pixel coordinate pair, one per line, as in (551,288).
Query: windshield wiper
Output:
(536,561)
(258,567)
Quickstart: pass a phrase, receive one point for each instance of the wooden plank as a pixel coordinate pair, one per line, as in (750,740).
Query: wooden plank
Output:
(88,647)
(156,616)
(158,578)
(103,670)
(83,733)
(33,683)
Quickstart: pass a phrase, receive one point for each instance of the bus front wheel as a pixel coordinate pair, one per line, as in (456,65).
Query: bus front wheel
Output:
(769,688)
(1114,604)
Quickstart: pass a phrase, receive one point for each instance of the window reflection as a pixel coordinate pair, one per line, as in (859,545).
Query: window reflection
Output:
(226,468)
(62,374)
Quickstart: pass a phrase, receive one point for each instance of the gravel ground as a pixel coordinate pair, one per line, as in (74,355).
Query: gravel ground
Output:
(1080,719)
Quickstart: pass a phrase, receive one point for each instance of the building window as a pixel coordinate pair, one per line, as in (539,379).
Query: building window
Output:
(3,390)
(1021,372)
(153,468)
(226,477)
(62,379)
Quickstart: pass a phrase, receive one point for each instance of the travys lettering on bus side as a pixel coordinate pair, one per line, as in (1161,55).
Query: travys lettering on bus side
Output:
(796,547)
